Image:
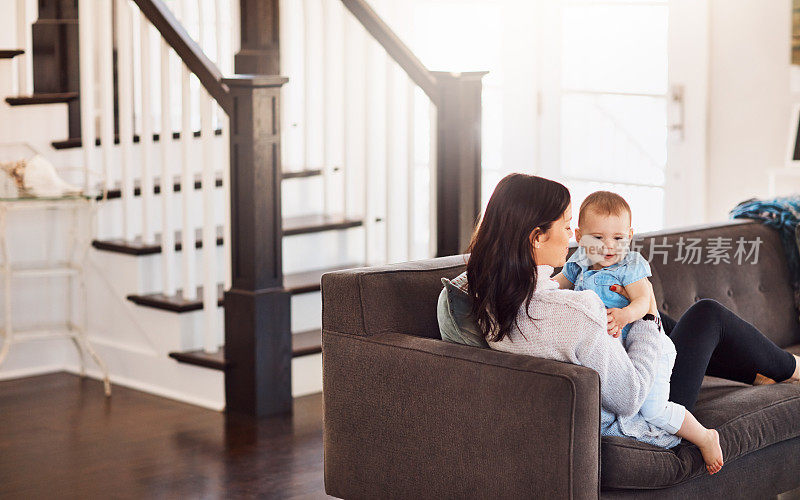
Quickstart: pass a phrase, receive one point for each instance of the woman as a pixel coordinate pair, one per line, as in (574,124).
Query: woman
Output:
(523,235)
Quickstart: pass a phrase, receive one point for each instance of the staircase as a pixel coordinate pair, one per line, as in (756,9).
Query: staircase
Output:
(167,255)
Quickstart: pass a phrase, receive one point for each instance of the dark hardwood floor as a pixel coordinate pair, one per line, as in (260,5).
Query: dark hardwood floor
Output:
(61,438)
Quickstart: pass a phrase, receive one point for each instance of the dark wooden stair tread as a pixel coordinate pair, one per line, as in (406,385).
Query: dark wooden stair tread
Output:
(75,142)
(309,281)
(10,53)
(214,360)
(292,225)
(307,342)
(305,224)
(295,283)
(294,174)
(42,98)
(136,247)
(303,344)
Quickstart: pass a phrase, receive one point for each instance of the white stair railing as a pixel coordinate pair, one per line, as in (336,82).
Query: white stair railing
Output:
(188,157)
(24,67)
(362,122)
(373,135)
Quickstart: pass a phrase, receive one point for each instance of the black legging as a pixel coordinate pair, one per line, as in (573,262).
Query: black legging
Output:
(711,340)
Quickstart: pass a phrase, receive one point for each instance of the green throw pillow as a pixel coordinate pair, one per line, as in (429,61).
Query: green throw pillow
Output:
(455,323)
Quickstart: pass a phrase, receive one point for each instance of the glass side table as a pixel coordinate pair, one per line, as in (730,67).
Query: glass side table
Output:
(73,268)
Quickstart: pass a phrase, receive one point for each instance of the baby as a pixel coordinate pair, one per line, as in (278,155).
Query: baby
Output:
(603,263)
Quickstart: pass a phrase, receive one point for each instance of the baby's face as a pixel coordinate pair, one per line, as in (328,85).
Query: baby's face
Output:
(604,237)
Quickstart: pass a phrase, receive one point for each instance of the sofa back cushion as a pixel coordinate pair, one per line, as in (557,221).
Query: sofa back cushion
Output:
(403,297)
(758,289)
(400,298)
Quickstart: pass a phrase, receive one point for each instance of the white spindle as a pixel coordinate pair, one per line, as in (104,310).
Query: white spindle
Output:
(346,72)
(432,167)
(86,69)
(391,150)
(223,122)
(105,48)
(24,66)
(210,330)
(218,34)
(165,138)
(220,46)
(327,104)
(226,193)
(188,274)
(187,189)
(410,166)
(201,21)
(367,187)
(306,83)
(125,85)
(235,39)
(146,138)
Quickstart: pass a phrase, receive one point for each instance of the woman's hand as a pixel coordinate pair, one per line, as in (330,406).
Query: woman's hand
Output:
(621,290)
(617,319)
(613,320)
(614,328)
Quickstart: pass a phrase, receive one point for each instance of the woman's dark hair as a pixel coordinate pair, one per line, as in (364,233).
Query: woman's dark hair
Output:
(501,272)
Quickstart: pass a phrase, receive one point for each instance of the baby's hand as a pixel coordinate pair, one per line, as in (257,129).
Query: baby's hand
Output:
(617,319)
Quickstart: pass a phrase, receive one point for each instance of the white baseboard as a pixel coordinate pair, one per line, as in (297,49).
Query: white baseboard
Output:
(31,372)
(148,388)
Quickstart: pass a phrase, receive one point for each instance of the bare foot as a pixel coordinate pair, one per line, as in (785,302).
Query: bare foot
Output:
(796,375)
(762,380)
(712,452)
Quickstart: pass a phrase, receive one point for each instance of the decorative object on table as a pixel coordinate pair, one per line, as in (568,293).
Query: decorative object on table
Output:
(31,174)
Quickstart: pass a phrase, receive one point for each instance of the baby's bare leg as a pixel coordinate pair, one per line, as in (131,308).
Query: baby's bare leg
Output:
(705,439)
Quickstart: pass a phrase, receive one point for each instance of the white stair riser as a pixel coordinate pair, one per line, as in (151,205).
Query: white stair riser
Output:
(33,124)
(300,253)
(184,331)
(299,197)
(115,276)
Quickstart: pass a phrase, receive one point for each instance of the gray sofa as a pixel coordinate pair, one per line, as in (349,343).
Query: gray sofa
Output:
(408,415)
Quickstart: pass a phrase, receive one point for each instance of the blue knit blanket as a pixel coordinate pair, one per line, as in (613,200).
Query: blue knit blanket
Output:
(783,214)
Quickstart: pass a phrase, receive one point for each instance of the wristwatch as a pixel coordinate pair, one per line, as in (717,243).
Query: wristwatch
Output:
(653,318)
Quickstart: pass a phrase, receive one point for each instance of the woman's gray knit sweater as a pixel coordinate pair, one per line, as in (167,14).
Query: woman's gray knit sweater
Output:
(570,326)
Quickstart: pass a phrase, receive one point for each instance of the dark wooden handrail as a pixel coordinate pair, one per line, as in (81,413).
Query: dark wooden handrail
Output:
(188,50)
(395,47)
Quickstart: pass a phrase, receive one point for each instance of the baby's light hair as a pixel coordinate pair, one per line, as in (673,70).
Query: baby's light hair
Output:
(604,203)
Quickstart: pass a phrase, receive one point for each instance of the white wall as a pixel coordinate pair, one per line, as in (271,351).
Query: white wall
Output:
(749,99)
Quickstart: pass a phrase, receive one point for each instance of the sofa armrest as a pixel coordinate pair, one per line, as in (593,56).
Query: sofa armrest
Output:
(414,417)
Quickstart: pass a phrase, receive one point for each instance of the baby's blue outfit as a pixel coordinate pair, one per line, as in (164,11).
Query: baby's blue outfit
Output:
(656,409)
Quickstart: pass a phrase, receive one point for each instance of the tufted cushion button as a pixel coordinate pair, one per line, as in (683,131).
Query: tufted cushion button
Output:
(730,292)
(696,298)
(761,288)
(665,306)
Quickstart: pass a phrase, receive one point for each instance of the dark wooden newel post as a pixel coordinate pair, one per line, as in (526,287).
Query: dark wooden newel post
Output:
(260,38)
(258,342)
(458,169)
(55,55)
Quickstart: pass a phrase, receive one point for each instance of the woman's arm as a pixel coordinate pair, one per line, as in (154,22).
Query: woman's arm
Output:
(625,377)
